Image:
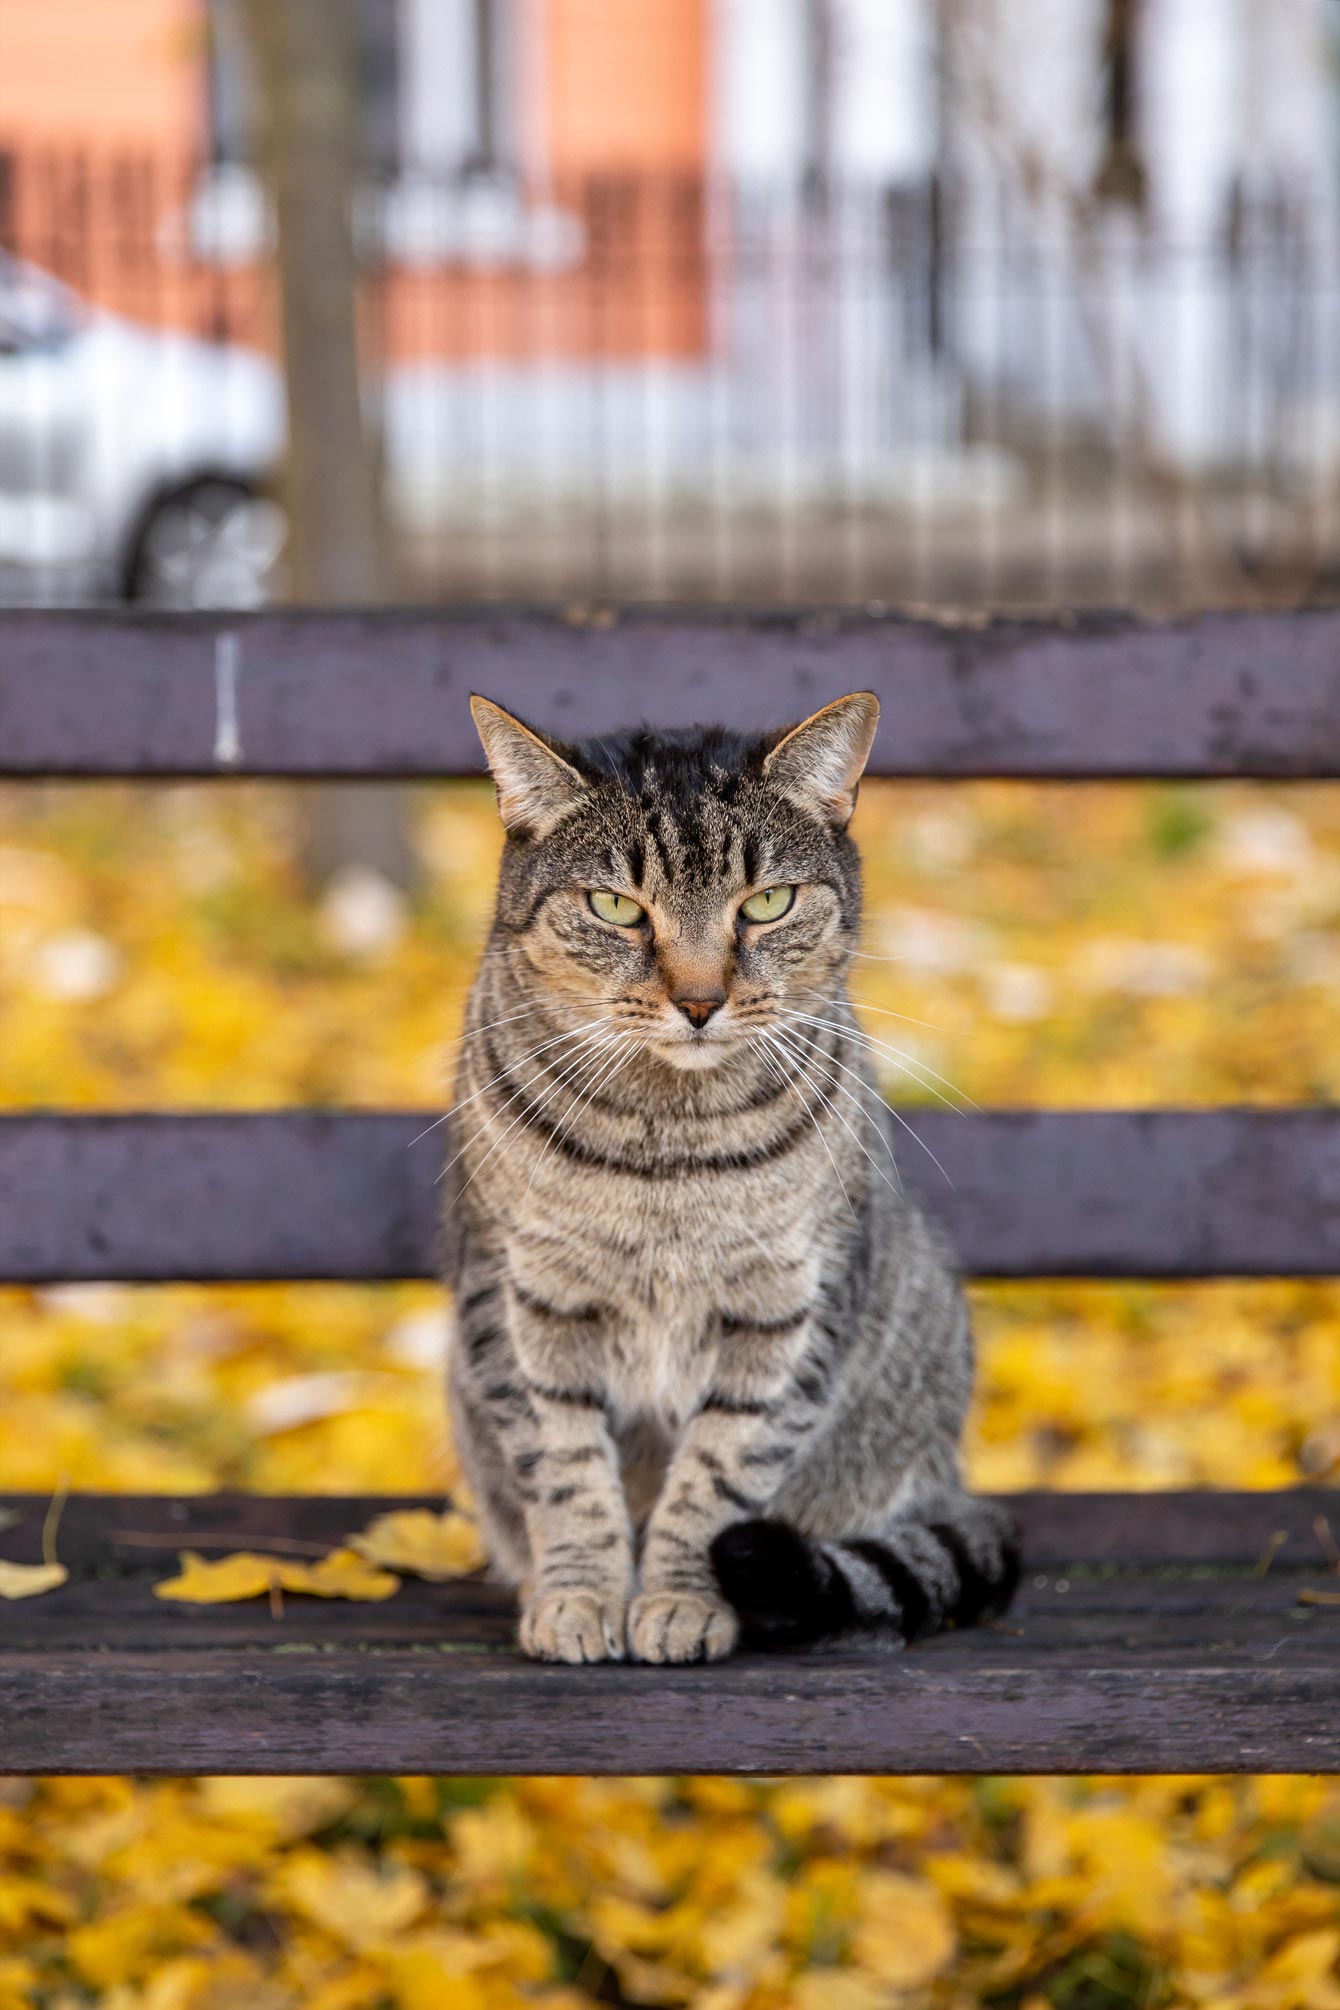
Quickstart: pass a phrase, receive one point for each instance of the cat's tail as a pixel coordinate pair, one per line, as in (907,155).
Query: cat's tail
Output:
(949,1565)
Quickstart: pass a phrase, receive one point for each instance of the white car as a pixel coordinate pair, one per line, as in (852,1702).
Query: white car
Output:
(132,461)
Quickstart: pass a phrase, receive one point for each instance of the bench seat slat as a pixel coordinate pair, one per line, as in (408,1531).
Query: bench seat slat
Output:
(130,1534)
(314,1194)
(1154,1613)
(367,694)
(1145,1638)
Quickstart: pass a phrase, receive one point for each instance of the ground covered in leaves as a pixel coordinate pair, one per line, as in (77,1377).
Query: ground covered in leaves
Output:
(1102,945)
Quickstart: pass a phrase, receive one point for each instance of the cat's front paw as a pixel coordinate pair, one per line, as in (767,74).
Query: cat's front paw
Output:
(680,1626)
(573,1626)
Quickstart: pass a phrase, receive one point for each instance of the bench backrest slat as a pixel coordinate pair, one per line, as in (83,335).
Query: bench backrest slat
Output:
(369,694)
(307,1194)
(296,1194)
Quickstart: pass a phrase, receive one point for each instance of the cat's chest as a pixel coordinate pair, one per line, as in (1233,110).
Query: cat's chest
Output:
(659,1357)
(664,1287)
(670,1258)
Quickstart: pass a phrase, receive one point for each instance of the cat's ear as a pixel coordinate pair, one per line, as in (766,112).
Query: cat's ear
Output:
(536,786)
(819,762)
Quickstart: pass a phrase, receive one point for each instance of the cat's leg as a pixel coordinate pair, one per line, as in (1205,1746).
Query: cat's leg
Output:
(549,1403)
(488,1474)
(535,1445)
(768,1390)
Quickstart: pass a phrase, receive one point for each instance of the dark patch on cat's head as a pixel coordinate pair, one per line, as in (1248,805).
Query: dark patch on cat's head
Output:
(686,825)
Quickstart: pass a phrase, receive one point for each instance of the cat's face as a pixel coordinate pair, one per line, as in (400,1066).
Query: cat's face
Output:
(688,888)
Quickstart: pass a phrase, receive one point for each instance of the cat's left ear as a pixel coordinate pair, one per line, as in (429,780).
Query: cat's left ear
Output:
(536,786)
(819,762)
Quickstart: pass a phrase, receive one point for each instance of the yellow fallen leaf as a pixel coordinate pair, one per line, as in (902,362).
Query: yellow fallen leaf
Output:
(132,1934)
(435,1969)
(1309,1959)
(434,1546)
(838,1989)
(18,1983)
(284,1807)
(360,1903)
(907,1935)
(247,1574)
(342,1574)
(223,1581)
(27,1580)
(737,1934)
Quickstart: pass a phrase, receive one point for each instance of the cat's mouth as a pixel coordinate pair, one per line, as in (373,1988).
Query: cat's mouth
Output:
(696,1052)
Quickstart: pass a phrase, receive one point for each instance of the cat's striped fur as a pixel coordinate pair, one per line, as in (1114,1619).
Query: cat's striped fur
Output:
(709,1367)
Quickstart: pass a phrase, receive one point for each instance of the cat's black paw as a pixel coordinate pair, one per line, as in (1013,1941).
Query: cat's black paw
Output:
(781,1584)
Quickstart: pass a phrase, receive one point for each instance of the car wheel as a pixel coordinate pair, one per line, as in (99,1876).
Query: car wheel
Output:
(214,542)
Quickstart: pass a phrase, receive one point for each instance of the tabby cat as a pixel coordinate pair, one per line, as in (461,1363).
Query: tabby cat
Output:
(709,1366)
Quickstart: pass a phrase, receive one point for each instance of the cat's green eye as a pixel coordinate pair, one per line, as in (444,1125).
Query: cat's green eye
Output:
(770,905)
(616,907)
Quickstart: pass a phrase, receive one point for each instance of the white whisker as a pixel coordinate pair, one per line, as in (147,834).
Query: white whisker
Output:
(922,1142)
(493,1114)
(901,1120)
(565,1068)
(627,1047)
(560,1081)
(866,1006)
(473,1032)
(516,1061)
(897,1188)
(828,1062)
(818,1127)
(908,1063)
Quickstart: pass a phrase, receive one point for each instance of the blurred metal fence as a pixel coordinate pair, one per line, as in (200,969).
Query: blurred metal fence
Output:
(686,389)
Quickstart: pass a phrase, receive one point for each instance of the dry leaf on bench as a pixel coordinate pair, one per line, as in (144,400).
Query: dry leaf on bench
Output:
(29,1580)
(221,1582)
(429,1545)
(247,1574)
(342,1574)
(26,1580)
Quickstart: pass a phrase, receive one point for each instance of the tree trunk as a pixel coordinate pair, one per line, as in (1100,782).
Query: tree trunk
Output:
(306,67)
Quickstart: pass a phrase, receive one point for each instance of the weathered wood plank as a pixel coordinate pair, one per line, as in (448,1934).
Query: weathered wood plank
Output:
(131,1534)
(418,1712)
(1134,1618)
(1110,1662)
(315,1194)
(365,694)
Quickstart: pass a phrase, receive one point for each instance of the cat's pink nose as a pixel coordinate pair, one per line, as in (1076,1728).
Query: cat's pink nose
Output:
(699,1010)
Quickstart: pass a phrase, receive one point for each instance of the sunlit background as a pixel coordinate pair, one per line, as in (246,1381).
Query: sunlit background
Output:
(976,303)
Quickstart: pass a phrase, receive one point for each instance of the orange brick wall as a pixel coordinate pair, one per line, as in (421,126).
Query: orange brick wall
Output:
(103,109)
(103,73)
(626,85)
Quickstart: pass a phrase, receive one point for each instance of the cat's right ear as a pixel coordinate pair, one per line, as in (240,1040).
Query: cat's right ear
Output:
(536,786)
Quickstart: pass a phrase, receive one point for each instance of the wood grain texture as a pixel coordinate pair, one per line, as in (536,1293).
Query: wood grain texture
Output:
(325,1194)
(367,694)
(1145,1638)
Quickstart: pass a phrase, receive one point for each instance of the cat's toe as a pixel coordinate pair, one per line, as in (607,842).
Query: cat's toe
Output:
(573,1626)
(680,1626)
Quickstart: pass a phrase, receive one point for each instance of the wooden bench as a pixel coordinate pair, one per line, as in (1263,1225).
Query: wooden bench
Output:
(1146,1636)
